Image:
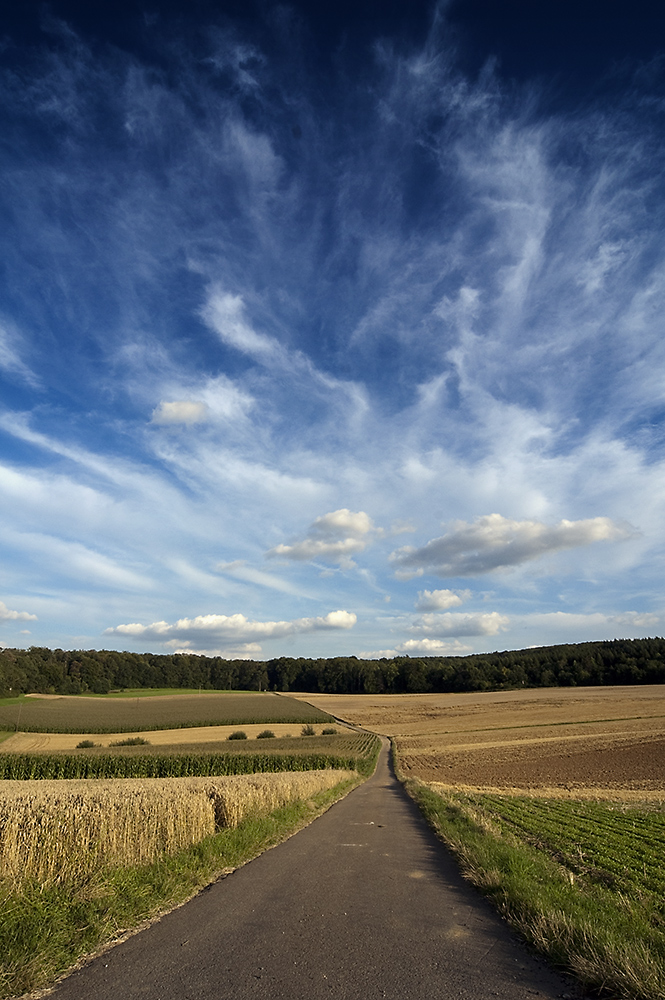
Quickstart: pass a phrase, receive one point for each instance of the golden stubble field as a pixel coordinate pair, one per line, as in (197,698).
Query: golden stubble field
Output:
(607,741)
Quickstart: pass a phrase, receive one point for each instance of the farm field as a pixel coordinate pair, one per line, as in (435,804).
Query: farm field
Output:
(553,801)
(82,714)
(574,740)
(195,739)
(53,827)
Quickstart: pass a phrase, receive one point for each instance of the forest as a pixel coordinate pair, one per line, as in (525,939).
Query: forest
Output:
(58,671)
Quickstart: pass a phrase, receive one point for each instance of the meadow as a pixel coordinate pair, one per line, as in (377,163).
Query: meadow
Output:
(143,711)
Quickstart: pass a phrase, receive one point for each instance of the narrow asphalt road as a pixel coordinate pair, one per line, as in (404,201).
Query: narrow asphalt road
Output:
(363,903)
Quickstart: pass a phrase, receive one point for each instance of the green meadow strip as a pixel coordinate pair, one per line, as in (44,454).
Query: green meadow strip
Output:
(45,930)
(581,882)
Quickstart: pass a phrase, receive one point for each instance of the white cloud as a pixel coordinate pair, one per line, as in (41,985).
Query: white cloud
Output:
(15,616)
(183,411)
(239,569)
(494,542)
(212,629)
(419,647)
(441,600)
(432,647)
(456,624)
(333,538)
(225,314)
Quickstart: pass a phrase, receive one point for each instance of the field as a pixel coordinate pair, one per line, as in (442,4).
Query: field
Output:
(144,712)
(70,850)
(553,801)
(196,739)
(574,739)
(59,829)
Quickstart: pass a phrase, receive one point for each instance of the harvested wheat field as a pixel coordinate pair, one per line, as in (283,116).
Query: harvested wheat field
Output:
(47,742)
(606,740)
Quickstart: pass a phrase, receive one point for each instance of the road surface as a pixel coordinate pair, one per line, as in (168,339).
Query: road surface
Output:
(363,903)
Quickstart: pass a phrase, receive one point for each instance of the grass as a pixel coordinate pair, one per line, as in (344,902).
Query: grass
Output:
(582,882)
(147,711)
(46,929)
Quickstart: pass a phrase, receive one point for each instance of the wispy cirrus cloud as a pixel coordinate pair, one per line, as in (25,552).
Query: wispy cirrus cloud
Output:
(494,542)
(235,307)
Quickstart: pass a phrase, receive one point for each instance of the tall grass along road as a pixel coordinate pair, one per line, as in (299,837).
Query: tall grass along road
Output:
(363,903)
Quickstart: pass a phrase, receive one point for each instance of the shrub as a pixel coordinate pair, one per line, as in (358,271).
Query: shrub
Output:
(329,731)
(238,735)
(308,731)
(84,744)
(131,741)
(266,734)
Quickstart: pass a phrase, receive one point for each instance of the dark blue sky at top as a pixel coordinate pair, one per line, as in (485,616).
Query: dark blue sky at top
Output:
(263,262)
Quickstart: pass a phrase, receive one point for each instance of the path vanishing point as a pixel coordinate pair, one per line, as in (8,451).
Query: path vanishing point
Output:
(363,903)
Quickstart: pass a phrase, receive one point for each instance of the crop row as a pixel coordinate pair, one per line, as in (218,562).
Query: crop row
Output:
(48,766)
(623,848)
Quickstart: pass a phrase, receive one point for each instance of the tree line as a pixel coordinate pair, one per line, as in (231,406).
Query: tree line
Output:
(58,671)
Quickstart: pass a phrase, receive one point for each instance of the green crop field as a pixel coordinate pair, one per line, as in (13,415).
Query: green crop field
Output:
(583,881)
(355,753)
(600,843)
(79,714)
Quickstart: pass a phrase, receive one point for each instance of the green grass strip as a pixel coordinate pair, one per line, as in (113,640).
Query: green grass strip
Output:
(46,930)
(610,941)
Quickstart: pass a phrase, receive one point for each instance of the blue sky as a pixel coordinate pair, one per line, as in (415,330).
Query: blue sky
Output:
(331,329)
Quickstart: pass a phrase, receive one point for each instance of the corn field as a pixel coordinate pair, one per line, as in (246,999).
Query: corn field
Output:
(58,830)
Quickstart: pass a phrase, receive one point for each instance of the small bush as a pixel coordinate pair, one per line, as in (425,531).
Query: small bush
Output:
(266,734)
(329,731)
(131,741)
(84,744)
(238,735)
(308,731)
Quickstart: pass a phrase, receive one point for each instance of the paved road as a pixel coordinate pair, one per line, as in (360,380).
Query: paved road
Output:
(364,903)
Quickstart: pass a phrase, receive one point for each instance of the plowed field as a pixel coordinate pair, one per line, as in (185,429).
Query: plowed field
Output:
(566,740)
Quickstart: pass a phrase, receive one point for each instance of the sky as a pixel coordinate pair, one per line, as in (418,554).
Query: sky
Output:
(331,328)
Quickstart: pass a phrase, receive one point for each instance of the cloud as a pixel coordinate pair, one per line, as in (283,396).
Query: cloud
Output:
(333,538)
(456,624)
(432,647)
(440,600)
(225,314)
(15,616)
(212,629)
(241,571)
(186,412)
(494,542)
(10,360)
(419,647)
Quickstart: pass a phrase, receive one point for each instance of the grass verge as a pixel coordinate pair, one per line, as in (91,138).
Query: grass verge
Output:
(611,940)
(46,930)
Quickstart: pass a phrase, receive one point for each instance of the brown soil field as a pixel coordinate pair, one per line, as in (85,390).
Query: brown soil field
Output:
(604,739)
